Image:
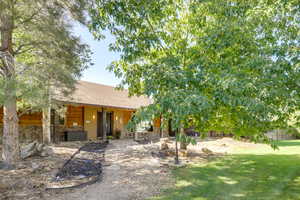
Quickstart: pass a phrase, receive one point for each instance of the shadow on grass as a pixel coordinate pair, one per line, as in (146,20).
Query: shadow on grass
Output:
(239,177)
(287,143)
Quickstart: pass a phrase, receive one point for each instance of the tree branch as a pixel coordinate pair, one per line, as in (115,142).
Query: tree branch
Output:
(154,32)
(24,112)
(26,20)
(20,51)
(31,46)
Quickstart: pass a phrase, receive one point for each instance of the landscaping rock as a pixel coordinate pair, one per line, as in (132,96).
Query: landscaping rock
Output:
(40,147)
(35,166)
(34,149)
(46,151)
(183,153)
(207,151)
(165,140)
(164,146)
(29,150)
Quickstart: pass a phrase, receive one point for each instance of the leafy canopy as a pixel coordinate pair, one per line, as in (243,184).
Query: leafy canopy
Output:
(220,65)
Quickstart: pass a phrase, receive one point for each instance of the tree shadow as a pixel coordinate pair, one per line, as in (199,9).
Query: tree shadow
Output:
(286,143)
(239,177)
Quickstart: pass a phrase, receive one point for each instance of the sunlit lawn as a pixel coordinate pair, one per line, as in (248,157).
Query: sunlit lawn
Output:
(257,173)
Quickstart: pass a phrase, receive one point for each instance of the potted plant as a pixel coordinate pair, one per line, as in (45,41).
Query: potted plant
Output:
(118,134)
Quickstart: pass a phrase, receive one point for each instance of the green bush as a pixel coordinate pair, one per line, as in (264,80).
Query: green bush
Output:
(118,134)
(110,137)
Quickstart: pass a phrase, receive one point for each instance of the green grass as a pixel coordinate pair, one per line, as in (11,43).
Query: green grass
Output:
(248,174)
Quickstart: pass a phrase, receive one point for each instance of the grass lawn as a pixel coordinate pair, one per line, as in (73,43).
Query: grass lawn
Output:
(248,174)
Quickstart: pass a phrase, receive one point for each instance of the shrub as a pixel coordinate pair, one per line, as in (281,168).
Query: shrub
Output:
(118,134)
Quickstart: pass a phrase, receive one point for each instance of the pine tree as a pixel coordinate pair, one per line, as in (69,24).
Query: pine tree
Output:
(37,52)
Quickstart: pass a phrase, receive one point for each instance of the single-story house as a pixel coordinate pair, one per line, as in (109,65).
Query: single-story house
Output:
(90,110)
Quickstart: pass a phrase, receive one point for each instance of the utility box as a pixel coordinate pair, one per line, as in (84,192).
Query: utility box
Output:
(75,136)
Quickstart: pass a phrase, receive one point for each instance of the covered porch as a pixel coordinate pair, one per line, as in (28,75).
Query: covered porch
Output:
(90,122)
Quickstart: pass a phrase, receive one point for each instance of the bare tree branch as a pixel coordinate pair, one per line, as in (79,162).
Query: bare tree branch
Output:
(24,112)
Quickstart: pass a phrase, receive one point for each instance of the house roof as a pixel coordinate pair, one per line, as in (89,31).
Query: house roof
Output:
(89,93)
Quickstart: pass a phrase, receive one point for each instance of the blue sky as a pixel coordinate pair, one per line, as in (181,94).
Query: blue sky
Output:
(101,57)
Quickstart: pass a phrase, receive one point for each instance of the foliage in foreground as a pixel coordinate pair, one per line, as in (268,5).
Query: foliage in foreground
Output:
(220,65)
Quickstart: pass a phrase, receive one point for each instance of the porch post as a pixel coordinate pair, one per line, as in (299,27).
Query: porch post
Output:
(46,125)
(104,125)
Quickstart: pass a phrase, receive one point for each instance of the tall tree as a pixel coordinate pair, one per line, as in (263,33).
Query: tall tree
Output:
(221,65)
(37,50)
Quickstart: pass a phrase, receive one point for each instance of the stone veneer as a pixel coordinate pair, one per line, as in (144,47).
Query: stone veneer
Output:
(27,133)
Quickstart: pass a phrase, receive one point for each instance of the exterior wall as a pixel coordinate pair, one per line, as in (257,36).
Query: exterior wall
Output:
(32,119)
(28,133)
(120,120)
(90,122)
(30,126)
(74,116)
(119,123)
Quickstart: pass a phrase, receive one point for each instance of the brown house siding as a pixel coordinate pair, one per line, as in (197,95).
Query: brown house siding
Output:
(30,119)
(74,116)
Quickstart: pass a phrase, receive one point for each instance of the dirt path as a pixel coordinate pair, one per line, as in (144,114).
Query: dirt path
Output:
(130,172)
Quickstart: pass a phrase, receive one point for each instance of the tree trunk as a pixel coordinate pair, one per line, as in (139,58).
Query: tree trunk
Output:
(47,125)
(176,150)
(183,145)
(11,149)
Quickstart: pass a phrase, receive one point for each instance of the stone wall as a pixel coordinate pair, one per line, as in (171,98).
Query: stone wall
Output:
(147,135)
(27,133)
(280,135)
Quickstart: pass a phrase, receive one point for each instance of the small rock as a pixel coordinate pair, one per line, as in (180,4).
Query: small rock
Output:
(183,153)
(164,146)
(207,151)
(47,168)
(46,151)
(79,177)
(21,166)
(164,140)
(4,185)
(35,166)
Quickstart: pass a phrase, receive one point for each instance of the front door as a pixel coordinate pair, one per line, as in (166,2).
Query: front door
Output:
(108,124)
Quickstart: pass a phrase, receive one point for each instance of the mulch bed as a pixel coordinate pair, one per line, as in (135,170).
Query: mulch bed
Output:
(78,170)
